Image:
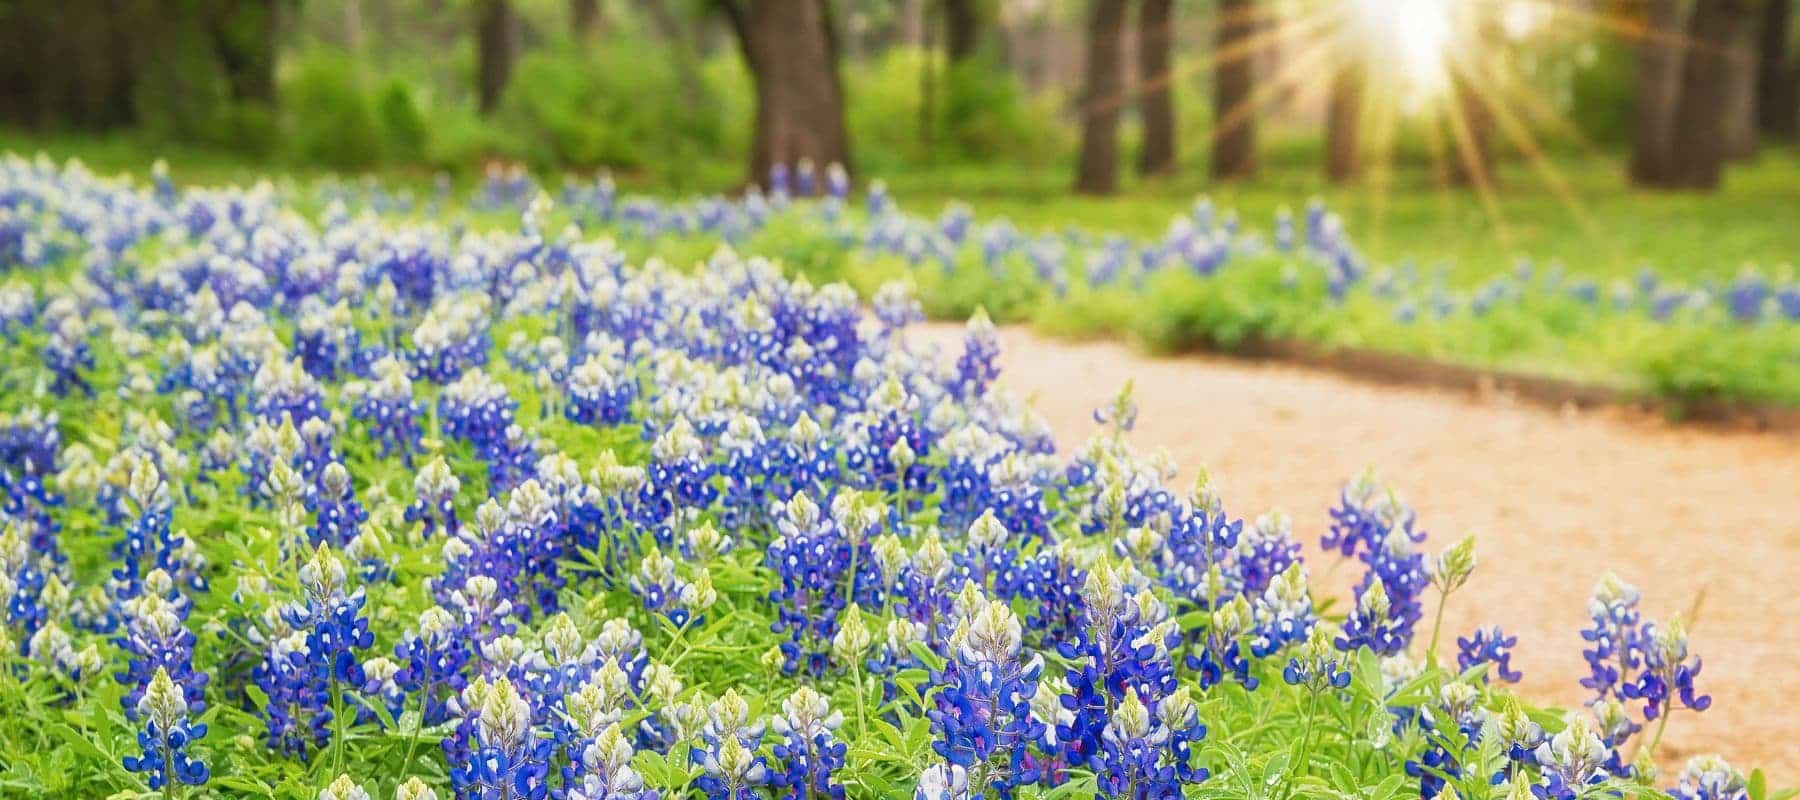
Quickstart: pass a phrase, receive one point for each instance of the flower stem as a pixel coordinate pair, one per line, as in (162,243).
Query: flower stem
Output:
(1437,625)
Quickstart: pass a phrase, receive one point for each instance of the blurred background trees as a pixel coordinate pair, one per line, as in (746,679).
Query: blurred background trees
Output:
(712,93)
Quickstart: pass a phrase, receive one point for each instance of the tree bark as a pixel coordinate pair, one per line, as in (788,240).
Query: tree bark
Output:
(244,39)
(1156,102)
(792,55)
(1234,77)
(1098,170)
(1697,140)
(497,31)
(1658,91)
(1472,134)
(1777,95)
(962,34)
(1740,94)
(585,18)
(1343,123)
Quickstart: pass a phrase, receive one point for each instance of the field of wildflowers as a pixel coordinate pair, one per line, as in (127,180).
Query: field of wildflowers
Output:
(1214,280)
(308,496)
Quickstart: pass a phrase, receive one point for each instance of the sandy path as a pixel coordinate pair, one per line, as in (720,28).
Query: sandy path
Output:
(1557,498)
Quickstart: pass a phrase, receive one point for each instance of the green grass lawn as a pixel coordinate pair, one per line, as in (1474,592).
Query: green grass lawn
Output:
(1595,225)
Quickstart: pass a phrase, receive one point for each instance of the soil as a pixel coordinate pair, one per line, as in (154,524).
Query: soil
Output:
(1706,522)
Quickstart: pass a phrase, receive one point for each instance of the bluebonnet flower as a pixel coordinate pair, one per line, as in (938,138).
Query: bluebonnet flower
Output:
(386,404)
(597,394)
(1146,750)
(1614,652)
(1488,646)
(606,771)
(731,769)
(1317,664)
(811,556)
(1265,550)
(432,657)
(810,753)
(311,657)
(167,732)
(1668,674)
(978,365)
(1371,623)
(283,388)
(436,487)
(1710,778)
(339,514)
(1574,759)
(982,723)
(506,757)
(1284,613)
(477,409)
(666,593)
(156,637)
(451,340)
(68,355)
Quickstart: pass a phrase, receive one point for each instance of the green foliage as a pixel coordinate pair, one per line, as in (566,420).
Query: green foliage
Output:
(624,105)
(331,119)
(978,113)
(182,95)
(402,124)
(1602,90)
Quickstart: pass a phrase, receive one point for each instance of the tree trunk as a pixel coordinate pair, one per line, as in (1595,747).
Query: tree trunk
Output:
(584,18)
(244,39)
(1343,123)
(1658,90)
(792,55)
(1098,170)
(1740,95)
(962,35)
(1777,95)
(1234,78)
(1156,101)
(1697,139)
(1472,134)
(497,31)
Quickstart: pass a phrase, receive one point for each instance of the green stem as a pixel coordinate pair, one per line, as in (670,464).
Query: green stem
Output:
(337,718)
(1437,625)
(1301,764)
(862,723)
(1660,727)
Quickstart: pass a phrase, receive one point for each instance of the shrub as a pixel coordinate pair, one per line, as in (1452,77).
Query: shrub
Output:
(331,120)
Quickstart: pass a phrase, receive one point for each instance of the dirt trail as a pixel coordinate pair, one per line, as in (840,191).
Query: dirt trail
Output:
(1688,515)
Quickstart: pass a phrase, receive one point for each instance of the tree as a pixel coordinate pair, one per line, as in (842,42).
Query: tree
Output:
(1471,97)
(497,42)
(585,18)
(1234,137)
(1658,89)
(791,51)
(1098,170)
(1156,102)
(244,37)
(1697,138)
(963,23)
(1777,80)
(1343,121)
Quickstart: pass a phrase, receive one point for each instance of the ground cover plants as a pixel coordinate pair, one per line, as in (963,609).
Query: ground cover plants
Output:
(1214,280)
(324,500)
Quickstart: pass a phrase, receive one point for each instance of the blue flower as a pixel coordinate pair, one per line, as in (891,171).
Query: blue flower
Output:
(166,735)
(1488,646)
